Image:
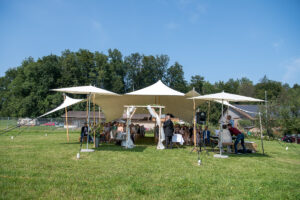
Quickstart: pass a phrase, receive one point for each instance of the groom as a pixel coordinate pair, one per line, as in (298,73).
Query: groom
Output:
(168,129)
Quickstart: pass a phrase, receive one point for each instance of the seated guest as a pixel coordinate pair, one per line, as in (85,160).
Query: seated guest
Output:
(206,135)
(191,131)
(85,132)
(142,130)
(199,135)
(120,128)
(239,137)
(225,138)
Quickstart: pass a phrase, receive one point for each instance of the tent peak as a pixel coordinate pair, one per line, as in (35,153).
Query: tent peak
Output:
(156,89)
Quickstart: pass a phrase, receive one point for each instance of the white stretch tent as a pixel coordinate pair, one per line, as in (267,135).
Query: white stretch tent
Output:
(157,94)
(85,90)
(223,96)
(175,102)
(67,102)
(259,115)
(88,90)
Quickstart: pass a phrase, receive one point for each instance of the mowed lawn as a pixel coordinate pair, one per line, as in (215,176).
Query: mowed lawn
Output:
(35,166)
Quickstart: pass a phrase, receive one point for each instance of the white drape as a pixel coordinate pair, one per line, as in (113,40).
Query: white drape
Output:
(129,113)
(162,134)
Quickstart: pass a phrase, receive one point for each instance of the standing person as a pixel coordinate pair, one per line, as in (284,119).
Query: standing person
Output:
(206,135)
(239,137)
(168,129)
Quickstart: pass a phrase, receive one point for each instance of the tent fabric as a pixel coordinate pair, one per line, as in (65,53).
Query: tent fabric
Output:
(129,112)
(67,102)
(226,103)
(192,93)
(227,97)
(162,134)
(157,89)
(85,90)
(113,106)
(175,102)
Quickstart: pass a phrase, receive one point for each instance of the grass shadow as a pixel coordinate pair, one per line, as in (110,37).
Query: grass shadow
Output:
(112,147)
(249,155)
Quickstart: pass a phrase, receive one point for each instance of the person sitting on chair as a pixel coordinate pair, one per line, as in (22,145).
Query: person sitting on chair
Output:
(168,130)
(239,137)
(84,132)
(206,135)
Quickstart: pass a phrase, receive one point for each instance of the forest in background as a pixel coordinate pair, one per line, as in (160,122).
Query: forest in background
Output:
(25,90)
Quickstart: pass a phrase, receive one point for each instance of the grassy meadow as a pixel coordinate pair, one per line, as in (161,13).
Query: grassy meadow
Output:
(36,166)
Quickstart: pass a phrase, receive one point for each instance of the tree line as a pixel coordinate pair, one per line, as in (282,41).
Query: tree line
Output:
(24,90)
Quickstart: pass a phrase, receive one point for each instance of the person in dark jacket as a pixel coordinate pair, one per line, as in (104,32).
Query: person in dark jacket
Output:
(168,129)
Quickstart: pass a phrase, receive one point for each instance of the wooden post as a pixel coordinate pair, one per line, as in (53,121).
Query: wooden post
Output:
(66,115)
(94,121)
(208,113)
(87,109)
(261,134)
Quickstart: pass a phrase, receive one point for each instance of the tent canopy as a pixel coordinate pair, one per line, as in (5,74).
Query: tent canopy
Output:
(224,96)
(157,89)
(85,90)
(192,93)
(67,102)
(175,102)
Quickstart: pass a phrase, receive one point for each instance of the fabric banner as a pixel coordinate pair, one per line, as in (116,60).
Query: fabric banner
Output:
(129,113)
(67,102)
(162,134)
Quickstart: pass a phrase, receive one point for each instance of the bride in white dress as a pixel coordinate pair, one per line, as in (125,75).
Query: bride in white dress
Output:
(225,137)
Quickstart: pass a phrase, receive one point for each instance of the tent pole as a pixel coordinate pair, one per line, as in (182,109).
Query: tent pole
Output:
(159,126)
(261,134)
(208,113)
(221,146)
(94,121)
(194,130)
(88,119)
(87,107)
(66,114)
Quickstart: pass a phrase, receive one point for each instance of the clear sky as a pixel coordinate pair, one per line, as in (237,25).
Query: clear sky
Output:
(216,39)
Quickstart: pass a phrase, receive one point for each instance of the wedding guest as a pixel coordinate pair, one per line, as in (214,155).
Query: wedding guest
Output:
(239,137)
(168,130)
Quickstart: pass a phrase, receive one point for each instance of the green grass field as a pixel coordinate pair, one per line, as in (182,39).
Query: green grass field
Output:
(35,166)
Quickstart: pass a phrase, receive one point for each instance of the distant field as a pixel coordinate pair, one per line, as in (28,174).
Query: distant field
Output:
(35,166)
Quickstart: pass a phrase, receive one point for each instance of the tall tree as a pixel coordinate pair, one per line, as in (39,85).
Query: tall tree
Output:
(175,78)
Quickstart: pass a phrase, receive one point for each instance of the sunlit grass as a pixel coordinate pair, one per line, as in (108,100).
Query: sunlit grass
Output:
(37,166)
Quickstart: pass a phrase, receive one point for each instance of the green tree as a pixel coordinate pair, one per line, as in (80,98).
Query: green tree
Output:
(175,78)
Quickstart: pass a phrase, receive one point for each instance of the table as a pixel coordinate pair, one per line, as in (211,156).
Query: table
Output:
(177,138)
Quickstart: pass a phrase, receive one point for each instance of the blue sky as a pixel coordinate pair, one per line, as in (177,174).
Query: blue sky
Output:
(216,39)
